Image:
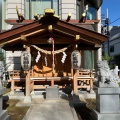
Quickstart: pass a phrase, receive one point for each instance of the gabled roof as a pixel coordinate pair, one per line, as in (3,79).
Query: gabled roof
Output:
(38,32)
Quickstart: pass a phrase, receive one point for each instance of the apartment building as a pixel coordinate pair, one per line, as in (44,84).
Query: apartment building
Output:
(113,45)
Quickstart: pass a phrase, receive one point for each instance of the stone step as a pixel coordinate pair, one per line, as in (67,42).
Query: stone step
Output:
(7,117)
(4,115)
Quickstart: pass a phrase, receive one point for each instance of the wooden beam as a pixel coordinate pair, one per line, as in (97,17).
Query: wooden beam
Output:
(19,30)
(12,22)
(81,31)
(98,46)
(39,40)
(64,32)
(32,33)
(73,32)
(18,38)
(89,41)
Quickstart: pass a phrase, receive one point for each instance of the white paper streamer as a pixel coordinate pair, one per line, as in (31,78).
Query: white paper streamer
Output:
(45,60)
(38,57)
(64,57)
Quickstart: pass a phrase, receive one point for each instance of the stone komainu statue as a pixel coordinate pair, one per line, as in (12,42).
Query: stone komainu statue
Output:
(104,74)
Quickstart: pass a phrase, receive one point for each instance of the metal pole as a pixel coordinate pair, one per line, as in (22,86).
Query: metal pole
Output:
(30,8)
(107,23)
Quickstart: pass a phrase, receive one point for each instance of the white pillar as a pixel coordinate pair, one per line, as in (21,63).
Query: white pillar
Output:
(99,51)
(66,7)
(99,54)
(99,18)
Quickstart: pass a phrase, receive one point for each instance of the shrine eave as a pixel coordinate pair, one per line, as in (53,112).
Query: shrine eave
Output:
(37,32)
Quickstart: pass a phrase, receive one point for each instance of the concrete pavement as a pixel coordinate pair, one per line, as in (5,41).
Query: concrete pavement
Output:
(59,109)
(48,109)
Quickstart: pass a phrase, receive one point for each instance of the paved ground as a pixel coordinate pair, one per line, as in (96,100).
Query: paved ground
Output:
(42,109)
(51,110)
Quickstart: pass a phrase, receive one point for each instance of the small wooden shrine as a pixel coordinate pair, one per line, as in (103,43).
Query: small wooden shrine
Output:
(50,42)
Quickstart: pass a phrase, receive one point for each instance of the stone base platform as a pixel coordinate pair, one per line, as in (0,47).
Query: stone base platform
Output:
(107,103)
(105,116)
(4,115)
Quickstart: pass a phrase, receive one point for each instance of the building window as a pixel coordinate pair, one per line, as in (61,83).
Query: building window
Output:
(88,59)
(111,48)
(38,6)
(80,8)
(92,12)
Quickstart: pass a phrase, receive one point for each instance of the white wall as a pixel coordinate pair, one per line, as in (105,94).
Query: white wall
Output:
(13,60)
(66,7)
(11,10)
(116,44)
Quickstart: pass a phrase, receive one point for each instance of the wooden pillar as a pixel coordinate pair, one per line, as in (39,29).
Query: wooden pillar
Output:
(91,85)
(12,87)
(52,82)
(75,84)
(28,78)
(91,82)
(72,72)
(28,83)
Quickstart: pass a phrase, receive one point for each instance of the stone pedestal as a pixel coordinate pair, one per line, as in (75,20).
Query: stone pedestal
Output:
(27,99)
(52,93)
(3,113)
(107,104)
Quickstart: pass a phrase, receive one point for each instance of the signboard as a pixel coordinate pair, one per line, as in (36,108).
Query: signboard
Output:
(76,59)
(25,60)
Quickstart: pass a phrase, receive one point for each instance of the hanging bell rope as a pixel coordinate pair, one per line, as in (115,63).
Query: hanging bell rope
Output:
(50,52)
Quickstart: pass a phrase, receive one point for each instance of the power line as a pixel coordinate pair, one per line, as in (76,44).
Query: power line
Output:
(115,20)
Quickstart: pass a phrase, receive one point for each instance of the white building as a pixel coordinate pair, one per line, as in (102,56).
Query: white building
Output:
(114,44)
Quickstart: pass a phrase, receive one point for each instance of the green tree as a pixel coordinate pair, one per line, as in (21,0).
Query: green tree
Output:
(107,57)
(109,60)
(2,57)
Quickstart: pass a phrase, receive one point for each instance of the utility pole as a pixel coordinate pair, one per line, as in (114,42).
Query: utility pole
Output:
(107,25)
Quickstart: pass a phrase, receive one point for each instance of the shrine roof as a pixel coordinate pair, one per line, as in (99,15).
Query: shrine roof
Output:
(61,30)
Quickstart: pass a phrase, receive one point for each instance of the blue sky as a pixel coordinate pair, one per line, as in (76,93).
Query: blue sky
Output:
(113,10)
